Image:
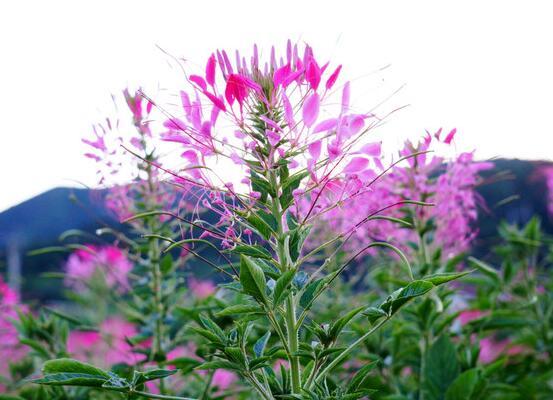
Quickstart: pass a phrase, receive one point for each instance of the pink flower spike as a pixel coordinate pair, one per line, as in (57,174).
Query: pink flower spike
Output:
(198,80)
(358,164)
(325,125)
(333,78)
(450,136)
(311,110)
(210,70)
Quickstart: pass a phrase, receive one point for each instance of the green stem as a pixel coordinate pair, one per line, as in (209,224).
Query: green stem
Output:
(293,343)
(349,349)
(290,318)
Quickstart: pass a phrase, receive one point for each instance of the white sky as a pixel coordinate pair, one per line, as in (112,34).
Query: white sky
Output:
(485,67)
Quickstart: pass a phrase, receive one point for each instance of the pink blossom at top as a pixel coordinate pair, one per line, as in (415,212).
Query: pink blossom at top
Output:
(270,111)
(109,261)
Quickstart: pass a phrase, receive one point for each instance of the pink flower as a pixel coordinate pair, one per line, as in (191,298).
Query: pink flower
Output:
(201,289)
(223,379)
(109,261)
(10,348)
(470,315)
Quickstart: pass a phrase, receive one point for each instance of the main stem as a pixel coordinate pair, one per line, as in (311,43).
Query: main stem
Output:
(290,320)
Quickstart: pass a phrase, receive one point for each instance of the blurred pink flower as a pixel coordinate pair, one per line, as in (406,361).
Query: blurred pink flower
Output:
(10,349)
(201,289)
(470,315)
(110,261)
(106,347)
(491,349)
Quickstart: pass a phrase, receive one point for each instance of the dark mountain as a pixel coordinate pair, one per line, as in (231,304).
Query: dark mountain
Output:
(38,222)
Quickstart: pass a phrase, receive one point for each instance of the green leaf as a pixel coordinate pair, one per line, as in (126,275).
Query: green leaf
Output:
(65,371)
(358,380)
(211,326)
(141,377)
(281,286)
(295,244)
(374,314)
(239,309)
(310,292)
(404,295)
(465,386)
(252,279)
(337,326)
(259,346)
(259,225)
(253,250)
(219,364)
(486,269)
(440,279)
(441,368)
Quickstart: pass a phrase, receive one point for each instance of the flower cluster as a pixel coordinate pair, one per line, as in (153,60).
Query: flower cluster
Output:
(132,179)
(110,262)
(257,117)
(448,184)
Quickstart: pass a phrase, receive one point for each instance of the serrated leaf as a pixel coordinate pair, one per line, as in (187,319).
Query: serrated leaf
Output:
(253,251)
(219,364)
(259,346)
(486,269)
(252,279)
(358,380)
(465,386)
(402,296)
(441,368)
(440,279)
(281,286)
(337,326)
(310,292)
(374,314)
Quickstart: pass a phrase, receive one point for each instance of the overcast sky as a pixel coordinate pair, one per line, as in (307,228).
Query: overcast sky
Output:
(484,67)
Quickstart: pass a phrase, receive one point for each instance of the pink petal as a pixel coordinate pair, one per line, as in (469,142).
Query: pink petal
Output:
(450,136)
(332,78)
(315,149)
(325,125)
(311,110)
(198,80)
(358,164)
(288,112)
(372,149)
(345,97)
(313,73)
(216,101)
(280,74)
(210,70)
